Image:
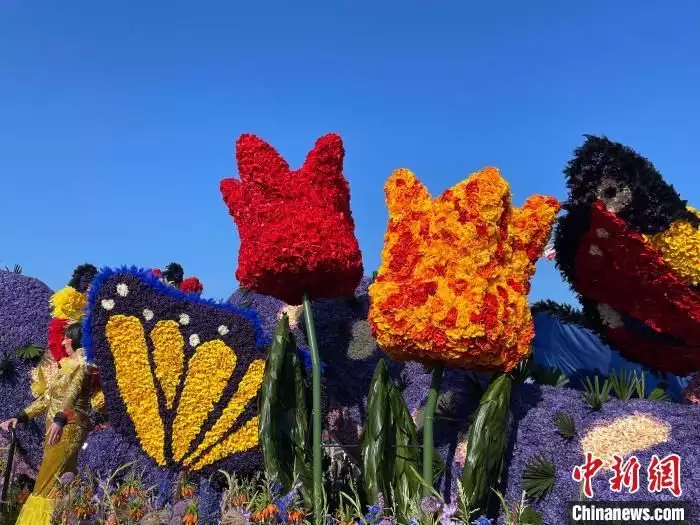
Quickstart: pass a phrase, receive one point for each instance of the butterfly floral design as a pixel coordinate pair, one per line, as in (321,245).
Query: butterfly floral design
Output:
(180,374)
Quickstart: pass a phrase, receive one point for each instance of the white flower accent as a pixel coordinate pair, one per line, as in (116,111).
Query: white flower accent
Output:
(595,250)
(85,445)
(293,312)
(223,330)
(609,316)
(107,304)
(614,194)
(122,289)
(194,340)
(602,233)
(184,319)
(148,314)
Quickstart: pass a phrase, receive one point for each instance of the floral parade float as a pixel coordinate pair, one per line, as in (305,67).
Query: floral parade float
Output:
(193,386)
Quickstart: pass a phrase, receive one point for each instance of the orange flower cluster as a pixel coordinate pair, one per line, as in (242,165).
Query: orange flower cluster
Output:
(456,270)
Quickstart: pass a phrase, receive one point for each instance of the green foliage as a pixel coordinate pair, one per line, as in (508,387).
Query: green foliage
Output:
(595,394)
(519,513)
(549,376)
(565,424)
(624,384)
(657,394)
(283,415)
(487,441)
(375,449)
(390,448)
(529,516)
(29,352)
(523,370)
(538,477)
(15,269)
(406,454)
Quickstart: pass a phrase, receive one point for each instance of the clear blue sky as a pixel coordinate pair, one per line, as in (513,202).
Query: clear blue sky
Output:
(117,119)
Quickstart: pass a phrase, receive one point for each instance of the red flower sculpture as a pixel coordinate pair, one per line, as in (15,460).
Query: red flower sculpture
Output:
(296,228)
(191,285)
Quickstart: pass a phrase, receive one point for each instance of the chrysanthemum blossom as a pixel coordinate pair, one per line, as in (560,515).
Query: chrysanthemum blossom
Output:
(456,270)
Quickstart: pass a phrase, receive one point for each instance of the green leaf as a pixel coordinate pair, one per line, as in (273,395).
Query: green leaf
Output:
(549,376)
(297,412)
(29,352)
(487,442)
(529,516)
(538,477)
(624,384)
(658,394)
(406,458)
(375,435)
(523,370)
(595,394)
(565,424)
(269,425)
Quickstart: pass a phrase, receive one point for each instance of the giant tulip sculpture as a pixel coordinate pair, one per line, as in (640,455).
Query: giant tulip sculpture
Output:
(452,291)
(297,239)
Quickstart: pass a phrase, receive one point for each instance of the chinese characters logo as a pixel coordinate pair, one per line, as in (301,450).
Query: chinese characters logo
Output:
(662,474)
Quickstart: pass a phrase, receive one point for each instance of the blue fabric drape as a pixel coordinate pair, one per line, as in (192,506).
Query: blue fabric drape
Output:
(579,352)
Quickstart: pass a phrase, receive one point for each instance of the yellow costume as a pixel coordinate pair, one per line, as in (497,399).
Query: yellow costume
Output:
(65,400)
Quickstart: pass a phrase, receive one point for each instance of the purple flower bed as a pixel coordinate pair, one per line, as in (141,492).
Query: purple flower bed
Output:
(535,433)
(24,320)
(106,450)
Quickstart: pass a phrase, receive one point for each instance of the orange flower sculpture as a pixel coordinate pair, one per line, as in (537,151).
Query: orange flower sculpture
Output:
(452,287)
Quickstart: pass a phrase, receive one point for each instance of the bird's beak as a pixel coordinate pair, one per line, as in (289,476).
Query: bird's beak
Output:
(679,247)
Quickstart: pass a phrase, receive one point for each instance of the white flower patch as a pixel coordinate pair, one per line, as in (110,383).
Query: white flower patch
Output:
(293,313)
(609,316)
(148,314)
(184,319)
(107,304)
(602,233)
(614,194)
(595,250)
(194,340)
(122,289)
(223,330)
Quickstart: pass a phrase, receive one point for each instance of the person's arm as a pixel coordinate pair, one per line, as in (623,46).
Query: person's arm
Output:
(39,406)
(73,390)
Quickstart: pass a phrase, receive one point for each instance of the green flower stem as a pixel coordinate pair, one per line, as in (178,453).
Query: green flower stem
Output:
(316,411)
(428,429)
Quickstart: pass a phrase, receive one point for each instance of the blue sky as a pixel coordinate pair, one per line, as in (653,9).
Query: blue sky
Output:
(117,119)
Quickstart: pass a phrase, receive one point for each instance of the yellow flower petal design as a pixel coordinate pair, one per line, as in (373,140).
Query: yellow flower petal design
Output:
(454,278)
(169,357)
(241,440)
(247,390)
(127,342)
(209,371)
(68,303)
(679,246)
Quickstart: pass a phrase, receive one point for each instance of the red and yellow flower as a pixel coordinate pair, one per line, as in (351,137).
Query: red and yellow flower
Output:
(456,270)
(296,228)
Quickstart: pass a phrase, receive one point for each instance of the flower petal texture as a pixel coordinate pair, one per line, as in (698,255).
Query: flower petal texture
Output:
(456,271)
(172,382)
(296,228)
